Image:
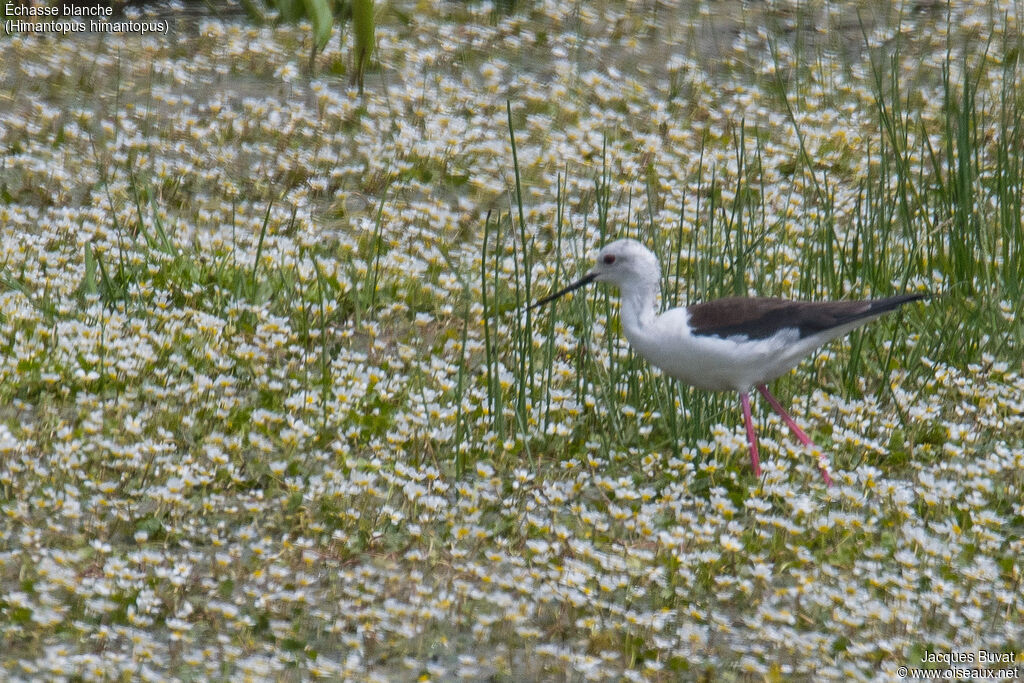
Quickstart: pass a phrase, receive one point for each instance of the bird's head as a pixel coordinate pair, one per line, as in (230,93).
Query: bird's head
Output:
(623,262)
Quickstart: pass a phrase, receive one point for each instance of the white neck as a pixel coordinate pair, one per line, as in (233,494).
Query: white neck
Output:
(637,311)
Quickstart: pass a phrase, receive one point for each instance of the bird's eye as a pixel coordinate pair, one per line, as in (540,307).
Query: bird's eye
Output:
(609,259)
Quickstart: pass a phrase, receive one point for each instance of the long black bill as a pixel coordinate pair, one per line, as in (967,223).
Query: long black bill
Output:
(587,279)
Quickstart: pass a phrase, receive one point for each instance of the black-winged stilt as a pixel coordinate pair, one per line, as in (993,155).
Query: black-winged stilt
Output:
(736,344)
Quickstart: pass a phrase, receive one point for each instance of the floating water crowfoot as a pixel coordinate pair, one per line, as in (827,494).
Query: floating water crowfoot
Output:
(227,440)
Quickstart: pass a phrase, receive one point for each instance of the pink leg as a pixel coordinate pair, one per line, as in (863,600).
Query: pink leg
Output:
(751,436)
(793,426)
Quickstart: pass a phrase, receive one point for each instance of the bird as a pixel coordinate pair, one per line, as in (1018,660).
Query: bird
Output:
(731,344)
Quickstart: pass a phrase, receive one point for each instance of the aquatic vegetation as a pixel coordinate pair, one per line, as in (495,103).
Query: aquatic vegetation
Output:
(273,407)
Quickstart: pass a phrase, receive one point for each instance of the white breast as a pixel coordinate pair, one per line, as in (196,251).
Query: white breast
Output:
(713,363)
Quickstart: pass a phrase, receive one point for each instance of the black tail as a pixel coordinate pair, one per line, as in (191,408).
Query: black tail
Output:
(891,303)
(832,314)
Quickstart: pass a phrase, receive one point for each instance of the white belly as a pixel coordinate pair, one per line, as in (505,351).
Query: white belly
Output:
(714,363)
